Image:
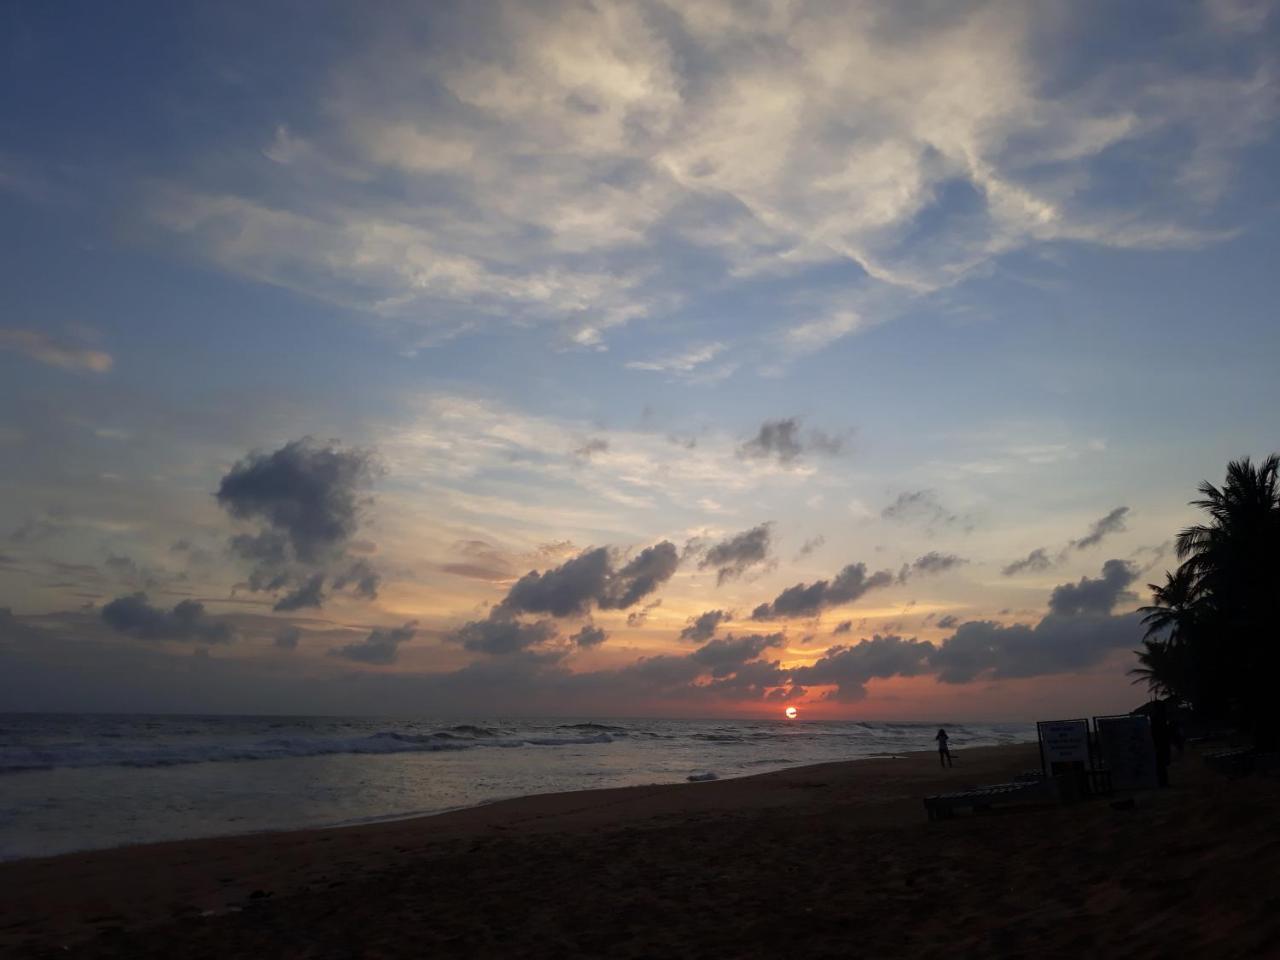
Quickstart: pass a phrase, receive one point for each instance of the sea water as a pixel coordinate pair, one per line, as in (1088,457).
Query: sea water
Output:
(78,782)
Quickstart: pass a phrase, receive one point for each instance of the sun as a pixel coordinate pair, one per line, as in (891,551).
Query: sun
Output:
(791,713)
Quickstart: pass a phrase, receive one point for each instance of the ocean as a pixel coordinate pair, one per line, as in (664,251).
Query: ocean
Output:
(80,782)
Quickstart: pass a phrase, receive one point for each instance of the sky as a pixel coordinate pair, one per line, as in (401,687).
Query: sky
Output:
(620,359)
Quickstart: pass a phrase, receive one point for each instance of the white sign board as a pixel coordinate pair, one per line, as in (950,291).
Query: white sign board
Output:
(1127,750)
(1064,741)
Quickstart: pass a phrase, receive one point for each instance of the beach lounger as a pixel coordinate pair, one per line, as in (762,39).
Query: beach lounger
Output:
(1237,762)
(944,805)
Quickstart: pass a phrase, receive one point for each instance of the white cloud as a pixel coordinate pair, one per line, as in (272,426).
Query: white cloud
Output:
(569,165)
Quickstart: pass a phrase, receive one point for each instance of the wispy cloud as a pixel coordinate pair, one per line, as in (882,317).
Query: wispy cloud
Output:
(569,168)
(57,353)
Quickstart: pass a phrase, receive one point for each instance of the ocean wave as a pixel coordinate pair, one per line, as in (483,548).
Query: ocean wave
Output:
(18,759)
(603,727)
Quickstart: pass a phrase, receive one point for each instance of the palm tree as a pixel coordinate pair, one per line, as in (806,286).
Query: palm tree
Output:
(1162,665)
(1176,605)
(1224,601)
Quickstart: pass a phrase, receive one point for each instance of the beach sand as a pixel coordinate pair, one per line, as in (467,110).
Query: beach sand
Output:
(820,861)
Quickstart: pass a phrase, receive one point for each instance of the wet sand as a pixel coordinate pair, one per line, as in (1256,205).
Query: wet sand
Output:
(828,860)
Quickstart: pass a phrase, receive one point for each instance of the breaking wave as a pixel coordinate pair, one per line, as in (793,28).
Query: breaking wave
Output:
(15,759)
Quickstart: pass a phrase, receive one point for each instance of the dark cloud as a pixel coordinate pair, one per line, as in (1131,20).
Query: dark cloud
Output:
(781,440)
(287,638)
(1097,596)
(1037,560)
(732,558)
(589,636)
(844,626)
(637,618)
(591,578)
(195,554)
(804,600)
(930,563)
(503,634)
(362,579)
(919,506)
(703,626)
(948,621)
(132,614)
(307,498)
(1078,632)
(34,530)
(724,655)
(1113,522)
(651,568)
(809,546)
(849,667)
(310,593)
(382,646)
(591,448)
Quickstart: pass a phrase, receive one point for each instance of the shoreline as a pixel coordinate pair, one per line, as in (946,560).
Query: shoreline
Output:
(819,858)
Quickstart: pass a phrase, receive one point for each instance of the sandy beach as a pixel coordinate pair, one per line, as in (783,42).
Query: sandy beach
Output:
(829,860)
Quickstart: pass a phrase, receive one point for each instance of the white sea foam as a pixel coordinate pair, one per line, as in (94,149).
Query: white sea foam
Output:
(18,758)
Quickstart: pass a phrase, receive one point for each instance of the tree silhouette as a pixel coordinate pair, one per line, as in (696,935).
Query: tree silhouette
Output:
(1211,623)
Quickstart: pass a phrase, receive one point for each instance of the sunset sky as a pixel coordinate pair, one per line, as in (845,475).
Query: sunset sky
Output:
(620,358)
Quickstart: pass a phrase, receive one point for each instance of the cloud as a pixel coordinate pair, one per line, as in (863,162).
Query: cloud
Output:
(803,600)
(810,545)
(930,563)
(848,668)
(307,498)
(1096,596)
(637,618)
(1037,560)
(591,448)
(781,440)
(309,594)
(1078,632)
(502,634)
(921,506)
(132,614)
(947,621)
(685,362)
(35,530)
(703,626)
(1113,522)
(480,561)
(362,579)
(844,626)
(723,656)
(589,636)
(593,578)
(381,647)
(287,638)
(732,558)
(42,347)
(590,164)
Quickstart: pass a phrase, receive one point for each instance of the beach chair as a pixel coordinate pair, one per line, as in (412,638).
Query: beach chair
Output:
(943,806)
(1237,762)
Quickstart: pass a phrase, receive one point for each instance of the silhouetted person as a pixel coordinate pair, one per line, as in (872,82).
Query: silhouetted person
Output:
(944,752)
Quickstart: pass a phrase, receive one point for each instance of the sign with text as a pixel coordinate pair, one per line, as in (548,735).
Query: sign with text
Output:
(1127,750)
(1063,741)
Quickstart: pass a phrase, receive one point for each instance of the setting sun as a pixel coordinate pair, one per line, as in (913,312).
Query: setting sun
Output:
(791,713)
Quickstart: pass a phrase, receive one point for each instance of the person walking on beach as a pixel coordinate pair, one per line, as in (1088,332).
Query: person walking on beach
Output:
(944,752)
